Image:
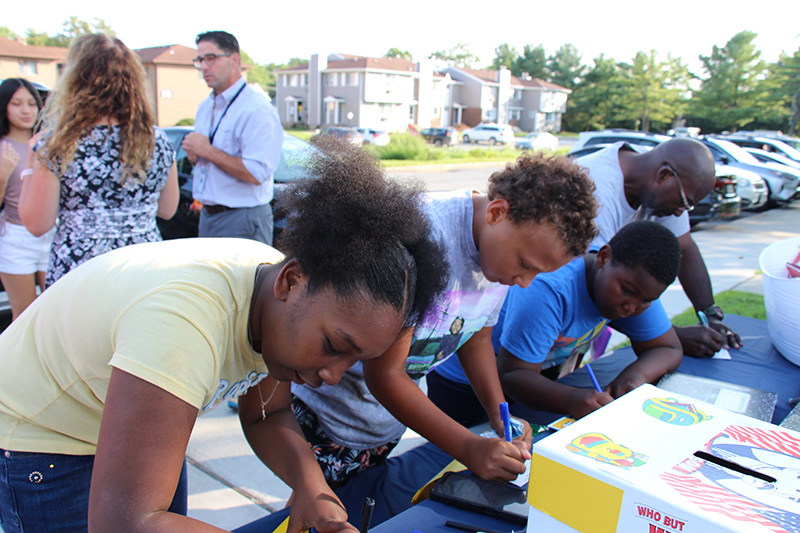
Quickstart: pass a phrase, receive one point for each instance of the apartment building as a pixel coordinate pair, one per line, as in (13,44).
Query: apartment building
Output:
(391,94)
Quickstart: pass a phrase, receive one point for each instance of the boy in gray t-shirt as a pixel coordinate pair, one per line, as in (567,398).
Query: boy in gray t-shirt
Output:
(536,217)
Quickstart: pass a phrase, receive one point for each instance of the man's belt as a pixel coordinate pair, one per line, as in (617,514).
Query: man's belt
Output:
(215,209)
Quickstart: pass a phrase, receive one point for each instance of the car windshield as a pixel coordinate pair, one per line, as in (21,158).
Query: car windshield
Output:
(788,150)
(737,152)
(295,157)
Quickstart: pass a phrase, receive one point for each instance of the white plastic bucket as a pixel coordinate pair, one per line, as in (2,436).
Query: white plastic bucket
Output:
(782,297)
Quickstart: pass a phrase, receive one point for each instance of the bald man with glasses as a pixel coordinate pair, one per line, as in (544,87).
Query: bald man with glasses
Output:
(663,185)
(235,146)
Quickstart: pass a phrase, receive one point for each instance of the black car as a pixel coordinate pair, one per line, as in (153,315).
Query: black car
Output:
(440,136)
(295,154)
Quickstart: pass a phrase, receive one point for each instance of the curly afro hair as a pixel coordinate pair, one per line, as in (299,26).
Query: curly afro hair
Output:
(358,233)
(550,190)
(649,245)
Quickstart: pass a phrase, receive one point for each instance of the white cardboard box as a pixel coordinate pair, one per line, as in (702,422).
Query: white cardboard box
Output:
(631,467)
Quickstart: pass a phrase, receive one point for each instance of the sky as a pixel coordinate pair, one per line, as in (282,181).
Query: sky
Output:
(274,31)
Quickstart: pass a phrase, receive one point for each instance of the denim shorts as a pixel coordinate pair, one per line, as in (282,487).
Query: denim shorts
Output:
(46,492)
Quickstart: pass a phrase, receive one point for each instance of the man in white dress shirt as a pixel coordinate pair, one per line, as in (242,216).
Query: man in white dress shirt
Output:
(235,146)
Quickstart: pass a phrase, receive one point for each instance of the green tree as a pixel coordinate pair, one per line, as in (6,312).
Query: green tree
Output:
(565,66)
(6,32)
(782,87)
(295,62)
(504,56)
(655,91)
(260,74)
(458,55)
(400,54)
(71,28)
(533,60)
(729,95)
(595,103)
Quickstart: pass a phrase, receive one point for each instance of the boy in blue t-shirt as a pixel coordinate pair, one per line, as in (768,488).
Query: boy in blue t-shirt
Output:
(552,322)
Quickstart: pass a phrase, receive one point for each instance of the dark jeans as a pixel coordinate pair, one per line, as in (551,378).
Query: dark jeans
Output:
(46,492)
(456,400)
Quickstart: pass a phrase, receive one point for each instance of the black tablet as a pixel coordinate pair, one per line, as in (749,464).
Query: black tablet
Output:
(501,500)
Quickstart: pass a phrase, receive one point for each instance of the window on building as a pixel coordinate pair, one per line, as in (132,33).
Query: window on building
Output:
(293,81)
(28,67)
(517,94)
(514,114)
(285,79)
(330,80)
(305,80)
(550,118)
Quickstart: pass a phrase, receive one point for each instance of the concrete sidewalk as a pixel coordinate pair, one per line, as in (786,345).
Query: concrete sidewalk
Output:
(229,487)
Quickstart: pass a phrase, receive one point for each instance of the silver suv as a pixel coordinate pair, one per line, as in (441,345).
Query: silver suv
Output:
(493,133)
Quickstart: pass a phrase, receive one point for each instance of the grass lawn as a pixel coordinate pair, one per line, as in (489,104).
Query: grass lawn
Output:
(732,302)
(411,150)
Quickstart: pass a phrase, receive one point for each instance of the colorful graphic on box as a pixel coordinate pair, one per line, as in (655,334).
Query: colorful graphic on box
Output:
(673,412)
(775,505)
(600,448)
(659,522)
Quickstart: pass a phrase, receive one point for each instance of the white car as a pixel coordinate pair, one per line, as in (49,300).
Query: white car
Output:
(751,187)
(772,157)
(537,140)
(491,133)
(640,138)
(376,137)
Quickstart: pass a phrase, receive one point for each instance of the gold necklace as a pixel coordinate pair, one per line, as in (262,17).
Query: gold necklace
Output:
(263,403)
(250,338)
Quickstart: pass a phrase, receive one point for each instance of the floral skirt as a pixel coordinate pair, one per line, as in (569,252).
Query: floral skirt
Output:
(337,462)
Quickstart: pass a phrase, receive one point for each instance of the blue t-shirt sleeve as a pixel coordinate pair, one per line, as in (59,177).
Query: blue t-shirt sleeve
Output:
(532,322)
(652,323)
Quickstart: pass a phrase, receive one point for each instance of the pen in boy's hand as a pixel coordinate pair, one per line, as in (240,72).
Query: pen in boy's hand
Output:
(593,377)
(366,514)
(506,416)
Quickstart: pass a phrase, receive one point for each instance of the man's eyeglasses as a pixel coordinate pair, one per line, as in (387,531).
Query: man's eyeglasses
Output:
(210,59)
(686,205)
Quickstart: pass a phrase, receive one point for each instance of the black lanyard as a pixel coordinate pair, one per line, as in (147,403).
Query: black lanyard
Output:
(213,133)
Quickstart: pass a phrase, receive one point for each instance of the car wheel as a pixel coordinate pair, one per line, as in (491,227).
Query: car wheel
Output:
(493,141)
(465,138)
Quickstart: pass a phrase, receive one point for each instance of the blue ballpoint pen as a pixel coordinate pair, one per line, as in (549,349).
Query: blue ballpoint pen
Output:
(593,377)
(506,416)
(703,318)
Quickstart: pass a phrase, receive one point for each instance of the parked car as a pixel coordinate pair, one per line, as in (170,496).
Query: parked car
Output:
(639,138)
(491,133)
(751,187)
(722,201)
(295,154)
(781,180)
(348,134)
(440,136)
(764,156)
(376,137)
(5,309)
(538,140)
(768,144)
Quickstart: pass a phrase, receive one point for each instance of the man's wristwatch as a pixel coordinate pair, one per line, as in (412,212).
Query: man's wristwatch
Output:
(715,312)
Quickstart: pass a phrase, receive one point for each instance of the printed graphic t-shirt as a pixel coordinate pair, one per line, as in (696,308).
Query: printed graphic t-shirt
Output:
(172,313)
(348,412)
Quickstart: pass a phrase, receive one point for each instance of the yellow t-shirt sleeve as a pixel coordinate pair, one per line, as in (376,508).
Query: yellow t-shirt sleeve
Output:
(169,339)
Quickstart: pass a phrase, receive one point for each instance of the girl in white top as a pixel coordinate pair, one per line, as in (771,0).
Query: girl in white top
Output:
(23,256)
